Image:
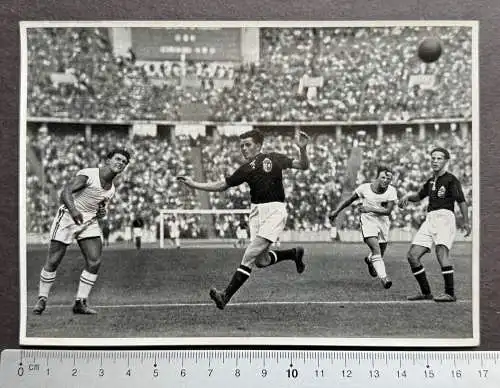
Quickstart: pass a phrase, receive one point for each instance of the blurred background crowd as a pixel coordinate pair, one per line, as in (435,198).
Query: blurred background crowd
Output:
(149,184)
(364,74)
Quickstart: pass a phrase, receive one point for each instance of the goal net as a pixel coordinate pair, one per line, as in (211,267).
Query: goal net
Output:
(201,226)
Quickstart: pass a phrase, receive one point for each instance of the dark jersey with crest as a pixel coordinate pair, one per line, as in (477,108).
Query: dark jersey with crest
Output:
(442,191)
(264,176)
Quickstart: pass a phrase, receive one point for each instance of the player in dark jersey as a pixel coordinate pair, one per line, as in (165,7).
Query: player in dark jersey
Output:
(137,227)
(439,227)
(263,173)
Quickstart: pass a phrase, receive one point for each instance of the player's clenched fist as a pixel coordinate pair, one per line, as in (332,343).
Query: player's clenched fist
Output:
(77,216)
(403,202)
(301,138)
(186,180)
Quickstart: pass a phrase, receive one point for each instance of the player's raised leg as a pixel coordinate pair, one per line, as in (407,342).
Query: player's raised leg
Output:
(443,256)
(91,249)
(377,261)
(414,255)
(256,247)
(272,257)
(273,219)
(56,252)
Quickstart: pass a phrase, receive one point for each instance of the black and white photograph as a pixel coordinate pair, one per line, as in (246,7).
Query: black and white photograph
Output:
(249,183)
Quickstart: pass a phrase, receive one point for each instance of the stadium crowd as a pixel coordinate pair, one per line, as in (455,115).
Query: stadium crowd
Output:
(313,194)
(73,73)
(148,184)
(365,72)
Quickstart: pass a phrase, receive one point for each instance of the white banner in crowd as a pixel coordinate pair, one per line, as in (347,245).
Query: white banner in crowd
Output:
(234,129)
(193,130)
(425,81)
(144,129)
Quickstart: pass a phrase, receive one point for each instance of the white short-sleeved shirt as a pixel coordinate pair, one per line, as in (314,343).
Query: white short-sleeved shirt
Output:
(173,227)
(87,200)
(370,198)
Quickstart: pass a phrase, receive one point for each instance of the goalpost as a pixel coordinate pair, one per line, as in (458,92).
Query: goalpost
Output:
(208,220)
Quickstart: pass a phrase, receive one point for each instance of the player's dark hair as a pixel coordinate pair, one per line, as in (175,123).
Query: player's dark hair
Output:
(382,169)
(256,135)
(443,150)
(121,151)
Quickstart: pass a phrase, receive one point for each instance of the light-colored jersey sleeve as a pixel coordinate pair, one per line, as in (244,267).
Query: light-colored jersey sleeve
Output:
(88,172)
(361,190)
(393,195)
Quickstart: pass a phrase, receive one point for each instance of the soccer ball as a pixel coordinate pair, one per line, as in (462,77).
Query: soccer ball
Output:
(430,49)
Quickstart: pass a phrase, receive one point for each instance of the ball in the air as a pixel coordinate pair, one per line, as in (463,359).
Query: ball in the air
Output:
(430,49)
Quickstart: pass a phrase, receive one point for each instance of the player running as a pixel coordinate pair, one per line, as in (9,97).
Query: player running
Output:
(439,227)
(378,199)
(263,173)
(84,201)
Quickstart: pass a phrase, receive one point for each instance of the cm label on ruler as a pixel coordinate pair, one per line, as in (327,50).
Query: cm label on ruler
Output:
(248,368)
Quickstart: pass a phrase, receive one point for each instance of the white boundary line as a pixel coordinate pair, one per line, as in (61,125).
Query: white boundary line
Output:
(261,303)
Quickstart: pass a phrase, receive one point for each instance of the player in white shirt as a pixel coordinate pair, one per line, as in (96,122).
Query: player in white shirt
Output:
(174,232)
(84,201)
(241,233)
(378,199)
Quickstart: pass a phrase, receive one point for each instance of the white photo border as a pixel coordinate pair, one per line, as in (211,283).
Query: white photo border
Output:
(253,341)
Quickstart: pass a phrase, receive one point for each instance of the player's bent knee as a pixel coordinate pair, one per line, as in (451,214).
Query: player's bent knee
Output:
(412,259)
(263,260)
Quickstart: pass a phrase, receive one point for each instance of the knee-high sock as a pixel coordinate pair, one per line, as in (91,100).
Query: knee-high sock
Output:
(87,281)
(239,277)
(46,280)
(378,264)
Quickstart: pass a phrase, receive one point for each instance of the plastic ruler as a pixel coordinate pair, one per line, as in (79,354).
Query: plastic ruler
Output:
(248,368)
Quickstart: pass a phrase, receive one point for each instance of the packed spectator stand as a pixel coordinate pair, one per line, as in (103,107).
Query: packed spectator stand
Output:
(105,87)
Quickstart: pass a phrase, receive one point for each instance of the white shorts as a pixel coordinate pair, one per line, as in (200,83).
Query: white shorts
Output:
(439,228)
(267,220)
(137,232)
(63,228)
(174,234)
(373,226)
(241,234)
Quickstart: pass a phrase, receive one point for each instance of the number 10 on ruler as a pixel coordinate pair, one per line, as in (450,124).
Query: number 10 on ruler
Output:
(248,369)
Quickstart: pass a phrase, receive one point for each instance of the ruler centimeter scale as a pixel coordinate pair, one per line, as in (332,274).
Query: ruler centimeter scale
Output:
(248,368)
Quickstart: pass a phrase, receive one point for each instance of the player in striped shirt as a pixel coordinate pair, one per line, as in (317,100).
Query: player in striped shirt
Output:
(84,201)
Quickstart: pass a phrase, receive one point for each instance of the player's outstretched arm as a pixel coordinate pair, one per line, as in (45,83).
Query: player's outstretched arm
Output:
(301,140)
(205,186)
(410,197)
(76,184)
(380,210)
(343,205)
